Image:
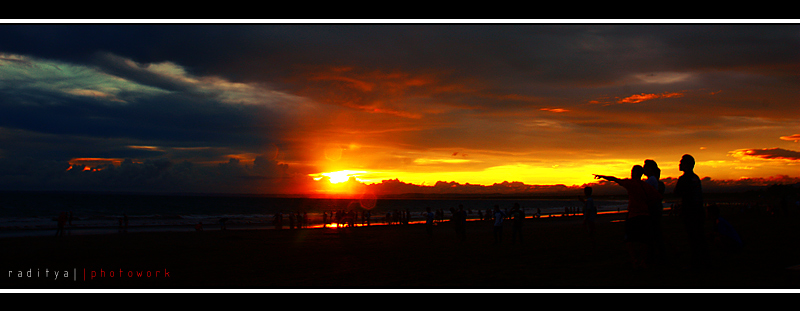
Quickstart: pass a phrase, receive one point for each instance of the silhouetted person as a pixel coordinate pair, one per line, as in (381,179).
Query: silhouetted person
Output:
(298,220)
(277,220)
(638,225)
(222,222)
(589,210)
(692,212)
(462,222)
(429,216)
(459,222)
(499,215)
(62,221)
(363,217)
(724,233)
(653,173)
(518,219)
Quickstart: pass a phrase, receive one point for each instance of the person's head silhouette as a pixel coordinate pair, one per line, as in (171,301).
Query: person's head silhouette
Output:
(636,172)
(687,163)
(651,168)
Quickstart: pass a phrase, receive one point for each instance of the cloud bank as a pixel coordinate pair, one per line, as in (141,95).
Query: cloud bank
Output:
(203,105)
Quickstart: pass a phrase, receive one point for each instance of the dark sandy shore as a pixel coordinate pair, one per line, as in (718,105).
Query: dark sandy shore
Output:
(555,254)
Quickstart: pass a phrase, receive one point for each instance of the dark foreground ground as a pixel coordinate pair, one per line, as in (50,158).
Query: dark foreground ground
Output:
(555,254)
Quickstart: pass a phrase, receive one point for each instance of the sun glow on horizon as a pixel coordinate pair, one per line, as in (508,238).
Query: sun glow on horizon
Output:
(339,176)
(553,173)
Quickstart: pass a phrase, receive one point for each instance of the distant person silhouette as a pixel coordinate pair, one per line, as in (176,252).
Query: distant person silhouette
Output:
(461,222)
(277,220)
(429,217)
(589,210)
(518,220)
(222,222)
(638,225)
(725,235)
(61,221)
(499,215)
(692,211)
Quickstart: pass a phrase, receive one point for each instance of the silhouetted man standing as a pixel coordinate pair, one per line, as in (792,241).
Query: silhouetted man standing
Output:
(638,224)
(692,211)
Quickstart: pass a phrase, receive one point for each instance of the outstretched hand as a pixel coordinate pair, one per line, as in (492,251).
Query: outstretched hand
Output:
(611,178)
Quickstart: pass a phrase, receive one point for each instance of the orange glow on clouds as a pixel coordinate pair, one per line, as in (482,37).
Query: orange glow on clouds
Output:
(795,137)
(638,98)
(554,109)
(94,162)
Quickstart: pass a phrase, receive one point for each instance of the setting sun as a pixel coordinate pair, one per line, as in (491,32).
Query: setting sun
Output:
(338,177)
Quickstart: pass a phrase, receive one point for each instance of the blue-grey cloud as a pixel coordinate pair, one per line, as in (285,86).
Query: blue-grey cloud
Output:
(162,106)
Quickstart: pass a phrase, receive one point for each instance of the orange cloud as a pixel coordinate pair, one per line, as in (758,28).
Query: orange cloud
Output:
(794,137)
(638,98)
(557,110)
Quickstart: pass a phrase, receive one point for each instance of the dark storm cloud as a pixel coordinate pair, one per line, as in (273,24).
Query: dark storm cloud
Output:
(546,53)
(169,119)
(70,104)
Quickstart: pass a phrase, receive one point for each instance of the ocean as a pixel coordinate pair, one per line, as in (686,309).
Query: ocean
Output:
(36,213)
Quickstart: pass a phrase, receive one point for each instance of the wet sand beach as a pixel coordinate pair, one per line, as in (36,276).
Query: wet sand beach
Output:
(556,253)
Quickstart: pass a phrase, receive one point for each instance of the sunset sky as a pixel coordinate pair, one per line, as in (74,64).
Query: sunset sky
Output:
(287,108)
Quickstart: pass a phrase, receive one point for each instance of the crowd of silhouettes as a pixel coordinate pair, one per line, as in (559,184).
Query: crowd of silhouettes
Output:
(643,229)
